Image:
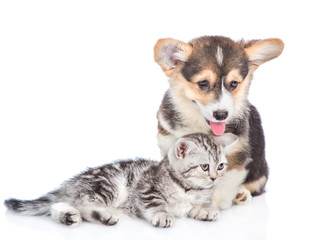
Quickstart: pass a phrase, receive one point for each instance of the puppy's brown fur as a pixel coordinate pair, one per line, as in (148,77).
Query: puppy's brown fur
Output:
(209,81)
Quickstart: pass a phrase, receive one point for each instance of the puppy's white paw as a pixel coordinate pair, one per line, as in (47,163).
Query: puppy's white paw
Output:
(243,196)
(224,204)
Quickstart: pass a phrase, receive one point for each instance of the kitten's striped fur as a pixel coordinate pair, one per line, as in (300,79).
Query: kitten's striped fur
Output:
(155,191)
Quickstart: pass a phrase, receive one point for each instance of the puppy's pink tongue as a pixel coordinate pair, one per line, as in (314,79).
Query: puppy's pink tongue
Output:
(218,128)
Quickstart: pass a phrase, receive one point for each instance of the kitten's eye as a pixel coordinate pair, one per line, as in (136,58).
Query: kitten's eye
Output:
(204,85)
(234,84)
(221,166)
(205,167)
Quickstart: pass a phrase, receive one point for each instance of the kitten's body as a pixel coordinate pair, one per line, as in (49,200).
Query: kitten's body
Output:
(154,191)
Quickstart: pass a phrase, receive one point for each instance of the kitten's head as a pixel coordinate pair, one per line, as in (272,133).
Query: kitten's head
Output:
(199,159)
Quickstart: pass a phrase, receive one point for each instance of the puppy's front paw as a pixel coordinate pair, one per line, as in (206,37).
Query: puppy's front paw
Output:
(224,204)
(163,220)
(243,196)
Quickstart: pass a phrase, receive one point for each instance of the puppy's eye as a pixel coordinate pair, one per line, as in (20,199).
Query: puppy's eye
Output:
(205,167)
(204,85)
(234,84)
(221,166)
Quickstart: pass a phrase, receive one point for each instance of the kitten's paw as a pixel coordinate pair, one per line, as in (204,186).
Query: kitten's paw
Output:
(105,218)
(66,214)
(243,196)
(71,218)
(204,213)
(163,220)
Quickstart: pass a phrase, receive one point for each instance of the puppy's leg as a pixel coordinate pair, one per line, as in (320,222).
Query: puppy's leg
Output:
(227,188)
(256,187)
(164,143)
(243,196)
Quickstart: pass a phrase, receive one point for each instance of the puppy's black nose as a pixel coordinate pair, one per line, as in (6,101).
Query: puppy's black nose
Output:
(220,115)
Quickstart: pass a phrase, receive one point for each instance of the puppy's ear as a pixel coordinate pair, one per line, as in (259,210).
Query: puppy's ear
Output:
(227,140)
(170,53)
(261,51)
(183,147)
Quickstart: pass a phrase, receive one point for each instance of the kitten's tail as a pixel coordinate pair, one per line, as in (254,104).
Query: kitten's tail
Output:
(39,206)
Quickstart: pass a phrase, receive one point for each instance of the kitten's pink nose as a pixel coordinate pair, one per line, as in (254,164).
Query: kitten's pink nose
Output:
(213,179)
(213,176)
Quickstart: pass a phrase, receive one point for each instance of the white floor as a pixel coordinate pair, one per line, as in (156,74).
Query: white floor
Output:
(249,222)
(79,88)
(264,218)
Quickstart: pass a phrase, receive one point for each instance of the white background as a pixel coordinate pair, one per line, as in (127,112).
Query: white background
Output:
(79,88)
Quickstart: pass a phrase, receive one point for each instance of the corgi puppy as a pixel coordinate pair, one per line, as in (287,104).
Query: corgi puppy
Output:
(209,79)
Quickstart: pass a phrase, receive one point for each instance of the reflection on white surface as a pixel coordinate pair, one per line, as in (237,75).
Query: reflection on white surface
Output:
(239,222)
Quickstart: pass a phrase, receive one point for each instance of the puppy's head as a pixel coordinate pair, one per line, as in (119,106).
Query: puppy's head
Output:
(214,72)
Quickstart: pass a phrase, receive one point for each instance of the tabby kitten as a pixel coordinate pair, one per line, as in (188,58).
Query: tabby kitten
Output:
(180,185)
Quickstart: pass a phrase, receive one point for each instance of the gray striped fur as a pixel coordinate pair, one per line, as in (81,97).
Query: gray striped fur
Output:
(155,191)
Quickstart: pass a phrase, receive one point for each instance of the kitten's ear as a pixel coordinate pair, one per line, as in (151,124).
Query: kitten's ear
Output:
(261,51)
(227,140)
(183,148)
(170,53)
